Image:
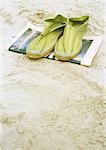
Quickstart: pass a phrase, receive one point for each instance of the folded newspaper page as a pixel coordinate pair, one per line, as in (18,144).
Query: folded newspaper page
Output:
(90,46)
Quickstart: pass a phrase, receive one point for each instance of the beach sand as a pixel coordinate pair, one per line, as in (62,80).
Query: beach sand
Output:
(46,104)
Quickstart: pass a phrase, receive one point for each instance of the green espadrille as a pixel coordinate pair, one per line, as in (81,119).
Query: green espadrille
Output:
(43,44)
(70,43)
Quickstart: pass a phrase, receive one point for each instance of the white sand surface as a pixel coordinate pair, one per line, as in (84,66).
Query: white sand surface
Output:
(45,104)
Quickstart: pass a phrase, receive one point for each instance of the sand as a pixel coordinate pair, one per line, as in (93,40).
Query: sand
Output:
(45,104)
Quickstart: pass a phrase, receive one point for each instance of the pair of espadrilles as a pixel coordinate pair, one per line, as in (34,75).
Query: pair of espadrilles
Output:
(63,35)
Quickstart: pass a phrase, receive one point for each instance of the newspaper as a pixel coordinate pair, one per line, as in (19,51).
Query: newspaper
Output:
(90,45)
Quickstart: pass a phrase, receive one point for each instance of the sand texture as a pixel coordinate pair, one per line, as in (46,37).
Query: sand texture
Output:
(45,104)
